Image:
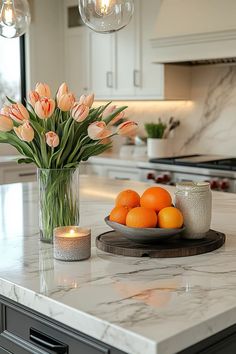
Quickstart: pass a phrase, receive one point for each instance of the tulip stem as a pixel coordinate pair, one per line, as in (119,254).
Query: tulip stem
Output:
(59,202)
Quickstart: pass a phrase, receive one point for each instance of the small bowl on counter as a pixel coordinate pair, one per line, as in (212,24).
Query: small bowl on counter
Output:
(144,235)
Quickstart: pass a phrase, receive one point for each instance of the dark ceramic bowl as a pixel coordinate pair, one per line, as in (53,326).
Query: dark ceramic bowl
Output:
(143,235)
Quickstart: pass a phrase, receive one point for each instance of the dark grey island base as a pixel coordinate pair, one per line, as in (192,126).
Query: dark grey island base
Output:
(24,331)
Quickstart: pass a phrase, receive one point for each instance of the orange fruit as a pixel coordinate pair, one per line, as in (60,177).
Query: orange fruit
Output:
(156,198)
(170,218)
(128,198)
(118,214)
(141,217)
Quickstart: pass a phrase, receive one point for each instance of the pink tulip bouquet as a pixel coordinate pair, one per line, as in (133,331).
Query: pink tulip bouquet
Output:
(61,132)
(56,134)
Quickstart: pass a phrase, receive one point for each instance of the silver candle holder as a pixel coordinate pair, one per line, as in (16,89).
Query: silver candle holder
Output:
(72,243)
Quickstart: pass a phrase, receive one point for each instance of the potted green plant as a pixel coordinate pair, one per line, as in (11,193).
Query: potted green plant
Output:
(158,142)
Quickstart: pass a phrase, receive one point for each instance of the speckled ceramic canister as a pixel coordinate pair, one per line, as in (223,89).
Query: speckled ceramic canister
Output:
(72,243)
(194,199)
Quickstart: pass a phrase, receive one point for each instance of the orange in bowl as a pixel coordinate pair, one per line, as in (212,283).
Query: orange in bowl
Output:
(170,218)
(156,198)
(128,198)
(118,214)
(141,217)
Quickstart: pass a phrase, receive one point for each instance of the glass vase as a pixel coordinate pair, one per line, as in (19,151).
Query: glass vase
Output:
(58,200)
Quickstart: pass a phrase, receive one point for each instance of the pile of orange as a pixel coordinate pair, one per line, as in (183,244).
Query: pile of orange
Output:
(153,209)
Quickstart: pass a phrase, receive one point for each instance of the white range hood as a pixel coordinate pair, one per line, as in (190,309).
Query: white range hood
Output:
(196,31)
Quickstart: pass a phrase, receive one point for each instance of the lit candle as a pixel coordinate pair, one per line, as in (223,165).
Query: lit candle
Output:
(72,243)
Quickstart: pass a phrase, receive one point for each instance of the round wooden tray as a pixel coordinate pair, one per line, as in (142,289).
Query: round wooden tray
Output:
(114,242)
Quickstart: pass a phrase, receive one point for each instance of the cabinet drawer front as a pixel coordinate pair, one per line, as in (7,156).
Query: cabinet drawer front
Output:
(19,175)
(34,332)
(123,175)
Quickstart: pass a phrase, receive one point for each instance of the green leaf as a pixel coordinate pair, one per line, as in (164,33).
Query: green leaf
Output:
(10,100)
(28,160)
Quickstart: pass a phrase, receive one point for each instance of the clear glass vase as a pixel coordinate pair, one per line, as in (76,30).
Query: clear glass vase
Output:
(58,200)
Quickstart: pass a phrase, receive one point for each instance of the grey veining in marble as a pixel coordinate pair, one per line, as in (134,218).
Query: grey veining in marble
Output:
(153,306)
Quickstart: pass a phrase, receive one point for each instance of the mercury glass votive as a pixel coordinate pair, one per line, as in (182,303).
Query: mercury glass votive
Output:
(72,243)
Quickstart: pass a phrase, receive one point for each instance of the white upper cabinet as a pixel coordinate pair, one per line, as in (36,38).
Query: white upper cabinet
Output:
(101,64)
(76,49)
(119,65)
(126,53)
(151,76)
(76,61)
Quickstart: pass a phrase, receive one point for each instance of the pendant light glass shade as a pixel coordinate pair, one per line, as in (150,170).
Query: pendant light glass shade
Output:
(14,18)
(106,16)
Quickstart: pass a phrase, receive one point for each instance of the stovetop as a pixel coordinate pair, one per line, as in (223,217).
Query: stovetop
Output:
(217,162)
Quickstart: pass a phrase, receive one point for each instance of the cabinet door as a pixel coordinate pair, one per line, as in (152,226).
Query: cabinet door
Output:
(101,64)
(126,50)
(150,78)
(76,71)
(76,49)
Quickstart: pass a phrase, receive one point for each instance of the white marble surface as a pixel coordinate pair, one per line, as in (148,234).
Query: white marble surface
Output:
(153,306)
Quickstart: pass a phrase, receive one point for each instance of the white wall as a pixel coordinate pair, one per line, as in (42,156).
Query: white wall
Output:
(45,44)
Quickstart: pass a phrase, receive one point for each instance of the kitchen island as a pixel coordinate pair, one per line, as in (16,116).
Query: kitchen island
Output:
(116,304)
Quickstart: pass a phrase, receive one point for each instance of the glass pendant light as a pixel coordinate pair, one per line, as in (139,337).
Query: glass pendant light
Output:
(106,16)
(14,18)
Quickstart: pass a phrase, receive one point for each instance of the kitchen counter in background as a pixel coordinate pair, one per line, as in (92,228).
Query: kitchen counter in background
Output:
(153,306)
(110,165)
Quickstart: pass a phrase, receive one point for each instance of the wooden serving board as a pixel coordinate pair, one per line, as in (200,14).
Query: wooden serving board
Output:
(116,243)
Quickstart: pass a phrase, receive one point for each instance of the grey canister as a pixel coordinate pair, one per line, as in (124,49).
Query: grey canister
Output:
(194,199)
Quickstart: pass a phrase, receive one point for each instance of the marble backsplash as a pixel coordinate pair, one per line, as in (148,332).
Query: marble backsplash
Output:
(208,121)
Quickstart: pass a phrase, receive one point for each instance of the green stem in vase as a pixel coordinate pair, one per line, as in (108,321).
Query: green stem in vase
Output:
(59,200)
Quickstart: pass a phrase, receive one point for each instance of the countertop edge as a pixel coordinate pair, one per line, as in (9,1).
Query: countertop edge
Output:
(200,332)
(101,330)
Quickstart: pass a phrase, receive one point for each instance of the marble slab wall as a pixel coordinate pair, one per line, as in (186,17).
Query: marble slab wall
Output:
(208,121)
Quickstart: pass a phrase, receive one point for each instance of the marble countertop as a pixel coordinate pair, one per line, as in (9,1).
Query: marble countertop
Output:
(153,306)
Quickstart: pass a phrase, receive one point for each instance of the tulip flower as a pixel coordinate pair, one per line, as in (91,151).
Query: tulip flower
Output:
(25,132)
(128,128)
(5,111)
(109,110)
(117,118)
(33,97)
(43,90)
(66,102)
(79,112)
(18,113)
(44,108)
(98,131)
(87,100)
(6,123)
(52,139)
(63,89)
